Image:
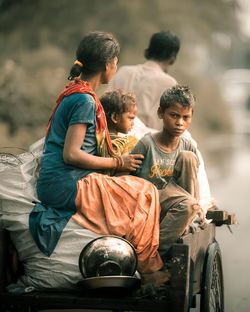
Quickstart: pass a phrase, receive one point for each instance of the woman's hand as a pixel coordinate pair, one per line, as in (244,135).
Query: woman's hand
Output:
(75,156)
(131,162)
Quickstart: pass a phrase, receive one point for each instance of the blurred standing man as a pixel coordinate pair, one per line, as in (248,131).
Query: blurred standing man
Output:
(149,80)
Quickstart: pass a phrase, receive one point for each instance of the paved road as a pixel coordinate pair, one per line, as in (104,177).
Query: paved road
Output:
(233,194)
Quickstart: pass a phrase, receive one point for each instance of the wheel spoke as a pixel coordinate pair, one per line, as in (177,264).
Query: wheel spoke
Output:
(215,295)
(213,300)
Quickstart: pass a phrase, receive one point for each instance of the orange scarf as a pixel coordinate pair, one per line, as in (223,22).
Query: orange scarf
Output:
(104,144)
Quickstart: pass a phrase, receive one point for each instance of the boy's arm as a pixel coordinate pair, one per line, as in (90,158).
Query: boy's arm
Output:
(206,201)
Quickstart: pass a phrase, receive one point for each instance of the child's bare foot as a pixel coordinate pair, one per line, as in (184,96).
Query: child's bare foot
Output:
(156,278)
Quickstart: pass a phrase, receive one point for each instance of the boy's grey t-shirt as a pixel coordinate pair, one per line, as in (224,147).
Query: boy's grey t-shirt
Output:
(158,166)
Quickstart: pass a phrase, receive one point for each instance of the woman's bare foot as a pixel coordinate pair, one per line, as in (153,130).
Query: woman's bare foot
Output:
(156,278)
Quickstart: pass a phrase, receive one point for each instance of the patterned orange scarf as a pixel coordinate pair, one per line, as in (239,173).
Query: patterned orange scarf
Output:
(104,144)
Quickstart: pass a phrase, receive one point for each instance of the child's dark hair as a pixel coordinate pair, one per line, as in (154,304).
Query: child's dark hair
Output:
(177,94)
(162,46)
(95,50)
(117,101)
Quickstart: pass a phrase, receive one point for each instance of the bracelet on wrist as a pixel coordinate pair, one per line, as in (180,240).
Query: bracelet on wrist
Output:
(119,162)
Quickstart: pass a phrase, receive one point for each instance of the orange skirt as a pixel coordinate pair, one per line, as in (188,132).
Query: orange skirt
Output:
(125,206)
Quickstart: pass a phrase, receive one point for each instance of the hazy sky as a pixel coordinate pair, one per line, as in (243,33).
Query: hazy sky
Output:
(245,16)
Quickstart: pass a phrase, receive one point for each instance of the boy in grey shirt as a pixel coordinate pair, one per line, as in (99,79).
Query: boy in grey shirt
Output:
(171,163)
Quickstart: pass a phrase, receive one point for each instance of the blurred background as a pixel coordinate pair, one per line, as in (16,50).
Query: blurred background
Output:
(38,41)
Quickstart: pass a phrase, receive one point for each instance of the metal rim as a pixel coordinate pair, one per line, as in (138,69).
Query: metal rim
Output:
(101,237)
(110,282)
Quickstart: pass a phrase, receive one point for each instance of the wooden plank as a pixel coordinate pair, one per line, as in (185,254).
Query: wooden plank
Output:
(221,217)
(179,282)
(95,301)
(217,215)
(198,243)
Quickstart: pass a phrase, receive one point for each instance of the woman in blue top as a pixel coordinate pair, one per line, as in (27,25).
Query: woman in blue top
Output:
(74,181)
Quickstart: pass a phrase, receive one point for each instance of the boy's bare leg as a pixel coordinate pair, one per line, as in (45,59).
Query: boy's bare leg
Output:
(178,206)
(186,173)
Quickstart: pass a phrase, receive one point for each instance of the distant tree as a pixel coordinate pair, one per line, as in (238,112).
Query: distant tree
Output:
(39,37)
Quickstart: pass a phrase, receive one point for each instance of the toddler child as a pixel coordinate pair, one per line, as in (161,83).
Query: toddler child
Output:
(120,109)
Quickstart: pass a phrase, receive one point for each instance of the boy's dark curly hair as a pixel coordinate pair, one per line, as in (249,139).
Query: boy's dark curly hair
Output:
(177,94)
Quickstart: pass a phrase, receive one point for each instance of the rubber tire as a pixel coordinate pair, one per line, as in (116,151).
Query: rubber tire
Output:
(212,292)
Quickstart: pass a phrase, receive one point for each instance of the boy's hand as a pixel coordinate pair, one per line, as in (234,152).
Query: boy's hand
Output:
(199,211)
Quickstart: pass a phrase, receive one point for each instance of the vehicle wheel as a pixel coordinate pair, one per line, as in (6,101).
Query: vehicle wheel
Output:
(212,291)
